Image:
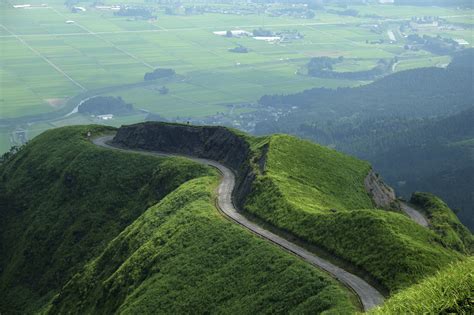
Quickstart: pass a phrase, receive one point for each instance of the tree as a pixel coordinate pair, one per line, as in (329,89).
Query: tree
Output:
(163,90)
(159,73)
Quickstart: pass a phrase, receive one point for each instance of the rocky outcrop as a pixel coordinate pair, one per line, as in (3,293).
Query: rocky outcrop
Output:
(382,195)
(209,142)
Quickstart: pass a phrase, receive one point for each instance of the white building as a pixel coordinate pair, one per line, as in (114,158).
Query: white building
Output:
(105,117)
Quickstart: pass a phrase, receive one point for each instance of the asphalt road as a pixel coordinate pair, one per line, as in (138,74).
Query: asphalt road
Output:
(368,295)
(414,214)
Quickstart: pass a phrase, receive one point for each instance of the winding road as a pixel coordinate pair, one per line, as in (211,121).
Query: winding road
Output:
(414,214)
(368,295)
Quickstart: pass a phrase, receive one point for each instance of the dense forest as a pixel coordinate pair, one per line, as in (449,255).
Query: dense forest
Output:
(413,93)
(414,126)
(159,73)
(322,67)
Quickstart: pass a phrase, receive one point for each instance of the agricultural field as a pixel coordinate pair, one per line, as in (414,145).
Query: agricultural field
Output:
(49,54)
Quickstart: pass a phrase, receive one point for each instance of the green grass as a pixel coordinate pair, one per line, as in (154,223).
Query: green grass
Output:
(182,256)
(317,194)
(67,199)
(447,292)
(124,232)
(316,178)
(444,222)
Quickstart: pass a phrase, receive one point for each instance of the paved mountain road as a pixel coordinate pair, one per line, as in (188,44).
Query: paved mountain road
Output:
(414,214)
(367,294)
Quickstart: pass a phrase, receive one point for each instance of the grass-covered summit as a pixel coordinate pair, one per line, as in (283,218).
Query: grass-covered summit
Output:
(85,229)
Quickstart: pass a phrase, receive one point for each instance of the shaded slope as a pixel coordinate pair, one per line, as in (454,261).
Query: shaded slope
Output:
(66,200)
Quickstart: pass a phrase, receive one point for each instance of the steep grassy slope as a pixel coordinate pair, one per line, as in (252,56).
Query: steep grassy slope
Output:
(66,200)
(311,192)
(314,178)
(447,292)
(181,256)
(316,193)
(445,223)
(82,224)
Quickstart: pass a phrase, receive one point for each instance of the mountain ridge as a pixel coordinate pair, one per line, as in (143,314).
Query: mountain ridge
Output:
(274,185)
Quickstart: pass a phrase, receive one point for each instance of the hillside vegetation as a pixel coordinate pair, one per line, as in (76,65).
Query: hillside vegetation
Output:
(66,200)
(90,230)
(445,223)
(314,193)
(447,292)
(318,195)
(181,256)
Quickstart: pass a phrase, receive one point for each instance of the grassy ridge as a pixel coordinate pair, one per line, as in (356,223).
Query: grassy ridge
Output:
(447,292)
(77,216)
(444,222)
(182,256)
(66,198)
(316,193)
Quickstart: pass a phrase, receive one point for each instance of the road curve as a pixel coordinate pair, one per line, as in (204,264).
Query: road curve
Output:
(368,295)
(414,214)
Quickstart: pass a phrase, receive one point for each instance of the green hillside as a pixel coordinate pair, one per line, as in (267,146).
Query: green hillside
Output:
(103,231)
(181,256)
(66,200)
(85,229)
(447,292)
(314,178)
(317,194)
(445,223)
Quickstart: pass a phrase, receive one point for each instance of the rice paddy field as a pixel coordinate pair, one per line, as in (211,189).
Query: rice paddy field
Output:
(49,54)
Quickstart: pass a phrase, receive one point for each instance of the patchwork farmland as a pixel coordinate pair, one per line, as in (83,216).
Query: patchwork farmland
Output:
(50,55)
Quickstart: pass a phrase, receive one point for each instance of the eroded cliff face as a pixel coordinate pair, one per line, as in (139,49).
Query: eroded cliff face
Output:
(209,142)
(382,194)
